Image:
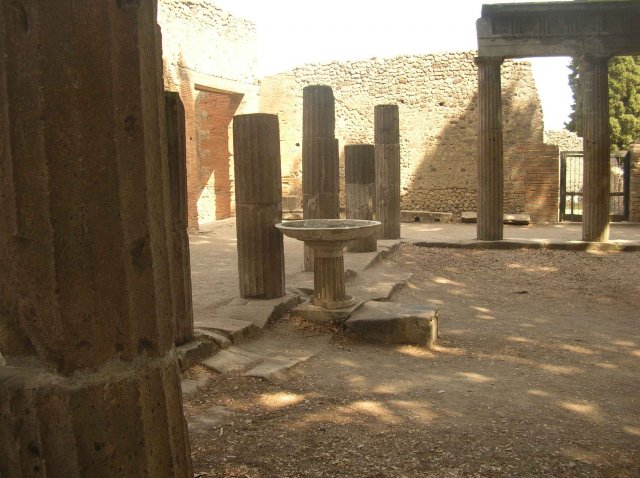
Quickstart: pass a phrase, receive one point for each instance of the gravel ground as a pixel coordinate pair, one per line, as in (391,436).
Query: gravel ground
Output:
(537,373)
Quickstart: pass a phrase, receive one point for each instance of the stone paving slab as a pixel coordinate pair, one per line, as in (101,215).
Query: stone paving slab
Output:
(266,357)
(258,311)
(395,323)
(236,330)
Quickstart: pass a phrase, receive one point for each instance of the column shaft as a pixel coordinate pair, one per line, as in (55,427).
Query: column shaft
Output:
(92,387)
(256,146)
(595,212)
(490,160)
(320,158)
(387,170)
(178,181)
(360,186)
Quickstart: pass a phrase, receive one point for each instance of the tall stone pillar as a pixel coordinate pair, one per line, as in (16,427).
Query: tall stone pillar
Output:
(320,159)
(595,126)
(256,149)
(490,161)
(360,188)
(387,152)
(181,270)
(91,385)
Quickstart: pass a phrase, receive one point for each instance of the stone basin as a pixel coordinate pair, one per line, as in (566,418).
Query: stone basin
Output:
(328,229)
(327,238)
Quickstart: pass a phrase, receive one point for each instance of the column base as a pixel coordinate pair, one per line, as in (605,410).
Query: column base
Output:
(124,419)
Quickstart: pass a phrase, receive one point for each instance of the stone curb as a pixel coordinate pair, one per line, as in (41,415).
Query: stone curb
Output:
(511,244)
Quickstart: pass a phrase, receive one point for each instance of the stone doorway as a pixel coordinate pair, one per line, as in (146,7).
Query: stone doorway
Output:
(214,111)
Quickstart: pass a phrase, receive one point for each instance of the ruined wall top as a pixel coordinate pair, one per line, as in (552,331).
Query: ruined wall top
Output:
(206,40)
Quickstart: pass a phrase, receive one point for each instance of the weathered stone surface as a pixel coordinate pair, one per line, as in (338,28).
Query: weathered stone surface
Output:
(221,340)
(437,128)
(360,189)
(387,172)
(230,360)
(490,165)
(92,387)
(256,145)
(272,368)
(259,312)
(595,125)
(516,219)
(320,158)
(309,311)
(395,323)
(426,216)
(192,352)
(181,270)
(236,330)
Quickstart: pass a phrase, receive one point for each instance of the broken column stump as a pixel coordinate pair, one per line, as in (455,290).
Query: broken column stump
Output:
(320,159)
(256,149)
(91,386)
(387,152)
(181,272)
(360,173)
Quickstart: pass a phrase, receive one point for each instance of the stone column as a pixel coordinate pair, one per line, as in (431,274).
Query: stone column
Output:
(91,385)
(595,126)
(181,271)
(634,186)
(490,161)
(387,153)
(256,149)
(360,188)
(320,159)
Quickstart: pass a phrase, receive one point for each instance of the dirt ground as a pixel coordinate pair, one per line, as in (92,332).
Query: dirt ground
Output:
(537,373)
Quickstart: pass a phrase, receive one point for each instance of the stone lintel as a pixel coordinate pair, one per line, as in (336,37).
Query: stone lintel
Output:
(559,29)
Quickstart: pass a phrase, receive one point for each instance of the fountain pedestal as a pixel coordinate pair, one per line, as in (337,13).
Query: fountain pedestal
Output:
(327,238)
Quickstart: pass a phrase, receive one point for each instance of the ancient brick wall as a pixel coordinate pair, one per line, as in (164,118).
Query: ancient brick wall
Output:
(209,58)
(437,97)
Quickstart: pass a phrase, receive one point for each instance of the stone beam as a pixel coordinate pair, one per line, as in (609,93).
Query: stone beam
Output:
(519,30)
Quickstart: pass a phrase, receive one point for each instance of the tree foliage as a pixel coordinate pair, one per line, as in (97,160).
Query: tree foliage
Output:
(624,100)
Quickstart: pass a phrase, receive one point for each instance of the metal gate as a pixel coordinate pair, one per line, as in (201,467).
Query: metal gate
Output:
(571,185)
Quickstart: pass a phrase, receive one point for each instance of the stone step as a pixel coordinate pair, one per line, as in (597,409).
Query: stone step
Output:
(395,323)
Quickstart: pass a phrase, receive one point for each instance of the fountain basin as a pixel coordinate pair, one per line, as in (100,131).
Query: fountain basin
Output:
(327,238)
(328,229)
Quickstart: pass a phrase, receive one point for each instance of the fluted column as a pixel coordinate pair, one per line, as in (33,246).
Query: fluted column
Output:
(595,126)
(320,159)
(360,188)
(91,386)
(256,149)
(490,161)
(387,172)
(328,276)
(181,270)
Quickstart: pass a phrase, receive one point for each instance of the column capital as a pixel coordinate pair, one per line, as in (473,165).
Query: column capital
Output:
(488,60)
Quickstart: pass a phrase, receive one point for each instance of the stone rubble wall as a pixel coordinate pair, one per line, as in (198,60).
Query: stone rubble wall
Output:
(564,139)
(210,58)
(437,97)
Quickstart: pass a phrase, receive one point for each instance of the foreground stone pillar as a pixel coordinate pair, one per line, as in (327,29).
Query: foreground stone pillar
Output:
(387,174)
(256,149)
(320,159)
(181,270)
(595,126)
(91,385)
(490,161)
(360,188)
